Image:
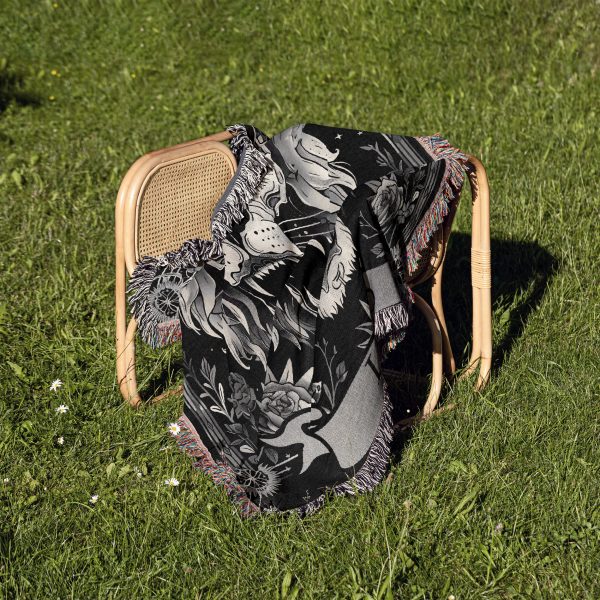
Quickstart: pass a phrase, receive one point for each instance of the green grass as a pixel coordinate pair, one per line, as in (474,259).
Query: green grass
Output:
(86,87)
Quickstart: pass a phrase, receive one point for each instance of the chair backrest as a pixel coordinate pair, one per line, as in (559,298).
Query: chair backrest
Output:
(168,197)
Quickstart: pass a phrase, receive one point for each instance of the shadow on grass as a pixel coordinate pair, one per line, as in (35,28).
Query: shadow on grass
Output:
(521,272)
(163,383)
(12,89)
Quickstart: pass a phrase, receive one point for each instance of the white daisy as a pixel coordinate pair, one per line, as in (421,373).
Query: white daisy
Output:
(174,429)
(62,409)
(60,440)
(57,383)
(172,482)
(94,499)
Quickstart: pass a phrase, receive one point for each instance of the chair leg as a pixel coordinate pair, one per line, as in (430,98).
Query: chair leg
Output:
(132,391)
(481,355)
(437,374)
(438,307)
(125,334)
(120,312)
(483,279)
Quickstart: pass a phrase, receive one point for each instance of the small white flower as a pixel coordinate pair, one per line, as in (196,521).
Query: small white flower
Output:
(57,383)
(60,440)
(451,597)
(140,474)
(137,471)
(5,480)
(499,528)
(62,409)
(172,482)
(94,499)
(174,429)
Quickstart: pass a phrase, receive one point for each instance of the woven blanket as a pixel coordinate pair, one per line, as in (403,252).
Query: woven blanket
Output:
(287,313)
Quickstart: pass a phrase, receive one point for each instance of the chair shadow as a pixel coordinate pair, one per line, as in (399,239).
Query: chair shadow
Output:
(163,383)
(521,271)
(12,88)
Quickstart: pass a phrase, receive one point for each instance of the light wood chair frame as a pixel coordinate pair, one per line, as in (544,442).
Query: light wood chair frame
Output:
(131,194)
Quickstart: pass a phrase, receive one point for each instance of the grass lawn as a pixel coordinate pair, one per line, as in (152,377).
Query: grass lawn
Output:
(498,498)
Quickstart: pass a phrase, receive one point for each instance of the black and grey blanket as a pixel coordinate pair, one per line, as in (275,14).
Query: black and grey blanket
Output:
(286,314)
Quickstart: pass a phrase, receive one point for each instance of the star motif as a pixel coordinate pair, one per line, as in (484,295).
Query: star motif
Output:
(338,136)
(360,133)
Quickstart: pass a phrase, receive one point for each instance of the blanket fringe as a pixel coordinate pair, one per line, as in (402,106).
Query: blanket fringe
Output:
(221,473)
(391,319)
(193,253)
(439,149)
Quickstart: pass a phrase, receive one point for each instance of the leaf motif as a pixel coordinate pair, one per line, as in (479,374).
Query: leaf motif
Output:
(377,249)
(271,455)
(221,393)
(205,368)
(275,337)
(389,158)
(340,370)
(246,449)
(217,409)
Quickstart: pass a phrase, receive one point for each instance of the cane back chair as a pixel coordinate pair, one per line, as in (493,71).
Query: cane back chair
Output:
(168,196)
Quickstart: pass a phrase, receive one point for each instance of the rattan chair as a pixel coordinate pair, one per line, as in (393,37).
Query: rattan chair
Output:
(168,196)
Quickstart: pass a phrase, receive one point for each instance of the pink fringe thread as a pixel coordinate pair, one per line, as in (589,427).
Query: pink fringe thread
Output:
(189,441)
(439,149)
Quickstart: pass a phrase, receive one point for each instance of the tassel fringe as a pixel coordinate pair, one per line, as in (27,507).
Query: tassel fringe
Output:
(391,319)
(189,442)
(439,149)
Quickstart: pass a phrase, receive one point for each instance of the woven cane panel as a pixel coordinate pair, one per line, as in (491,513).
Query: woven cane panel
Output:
(177,203)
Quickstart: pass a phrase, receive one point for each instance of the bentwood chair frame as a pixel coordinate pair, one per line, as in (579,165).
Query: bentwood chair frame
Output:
(168,196)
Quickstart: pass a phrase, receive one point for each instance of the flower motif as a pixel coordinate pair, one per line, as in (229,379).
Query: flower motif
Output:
(242,396)
(172,482)
(174,429)
(62,409)
(55,385)
(387,201)
(94,499)
(262,480)
(60,440)
(282,398)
